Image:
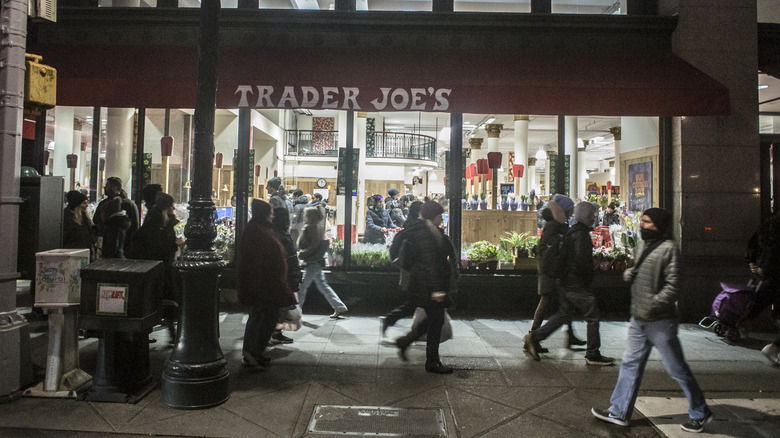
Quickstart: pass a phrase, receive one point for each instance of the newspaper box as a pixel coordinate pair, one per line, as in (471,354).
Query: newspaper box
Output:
(57,276)
(124,295)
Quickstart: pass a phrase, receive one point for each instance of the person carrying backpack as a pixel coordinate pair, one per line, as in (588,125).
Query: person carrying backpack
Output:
(574,289)
(555,228)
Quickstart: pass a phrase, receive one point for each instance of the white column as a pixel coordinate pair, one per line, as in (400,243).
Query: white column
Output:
(571,151)
(521,153)
(360,142)
(493,132)
(617,134)
(119,144)
(547,187)
(530,172)
(476,153)
(582,174)
(63,140)
(80,174)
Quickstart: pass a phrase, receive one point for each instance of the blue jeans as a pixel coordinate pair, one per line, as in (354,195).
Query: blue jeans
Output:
(312,273)
(642,337)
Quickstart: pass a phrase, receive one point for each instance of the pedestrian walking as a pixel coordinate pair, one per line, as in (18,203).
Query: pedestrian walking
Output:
(574,289)
(261,282)
(313,247)
(281,223)
(655,290)
(430,258)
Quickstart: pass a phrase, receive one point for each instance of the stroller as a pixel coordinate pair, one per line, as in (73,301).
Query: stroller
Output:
(731,307)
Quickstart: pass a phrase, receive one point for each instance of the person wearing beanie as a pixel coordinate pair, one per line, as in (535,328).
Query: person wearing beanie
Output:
(279,198)
(556,224)
(565,202)
(655,290)
(575,293)
(261,282)
(431,261)
(378,222)
(611,215)
(78,231)
(312,252)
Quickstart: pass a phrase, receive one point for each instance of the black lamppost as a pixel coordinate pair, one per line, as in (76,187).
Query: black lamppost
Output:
(196,375)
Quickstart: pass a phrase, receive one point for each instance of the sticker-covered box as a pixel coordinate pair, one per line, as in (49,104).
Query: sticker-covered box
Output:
(121,294)
(57,276)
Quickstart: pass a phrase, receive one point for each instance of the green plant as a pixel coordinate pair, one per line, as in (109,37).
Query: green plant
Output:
(512,199)
(524,198)
(505,256)
(503,198)
(482,196)
(370,255)
(475,197)
(482,251)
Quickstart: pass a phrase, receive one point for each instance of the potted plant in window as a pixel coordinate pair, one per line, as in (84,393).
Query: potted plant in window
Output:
(523,202)
(504,203)
(474,203)
(532,199)
(513,203)
(484,255)
(464,203)
(483,201)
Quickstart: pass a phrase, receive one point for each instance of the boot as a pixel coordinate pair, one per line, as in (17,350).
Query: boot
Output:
(432,362)
(537,346)
(404,342)
(573,340)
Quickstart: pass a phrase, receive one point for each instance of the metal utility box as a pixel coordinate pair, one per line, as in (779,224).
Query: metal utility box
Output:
(121,295)
(40,219)
(58,276)
(40,83)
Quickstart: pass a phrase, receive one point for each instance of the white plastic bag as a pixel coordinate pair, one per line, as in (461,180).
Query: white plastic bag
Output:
(446,329)
(293,319)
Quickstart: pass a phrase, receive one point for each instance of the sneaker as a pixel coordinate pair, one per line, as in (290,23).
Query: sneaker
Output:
(771,353)
(539,348)
(382,326)
(337,315)
(600,361)
(609,417)
(279,338)
(530,347)
(696,426)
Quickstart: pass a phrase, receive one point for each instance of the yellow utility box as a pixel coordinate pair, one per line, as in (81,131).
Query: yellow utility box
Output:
(40,83)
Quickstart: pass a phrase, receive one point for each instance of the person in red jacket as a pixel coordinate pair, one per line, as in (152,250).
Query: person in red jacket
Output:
(261,281)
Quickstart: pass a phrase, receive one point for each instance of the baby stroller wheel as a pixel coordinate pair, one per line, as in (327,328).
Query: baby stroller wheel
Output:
(732,335)
(719,329)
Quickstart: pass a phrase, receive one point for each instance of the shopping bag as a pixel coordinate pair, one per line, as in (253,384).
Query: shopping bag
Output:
(293,319)
(446,329)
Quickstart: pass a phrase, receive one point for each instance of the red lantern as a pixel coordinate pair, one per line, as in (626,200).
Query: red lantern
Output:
(609,185)
(494,160)
(468,172)
(218,160)
(72,160)
(166,146)
(482,166)
(517,170)
(276,173)
(257,170)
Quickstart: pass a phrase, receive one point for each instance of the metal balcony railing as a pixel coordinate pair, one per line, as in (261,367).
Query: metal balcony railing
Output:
(384,144)
(313,143)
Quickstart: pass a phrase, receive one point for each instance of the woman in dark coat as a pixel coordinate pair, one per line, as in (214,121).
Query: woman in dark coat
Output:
(116,225)
(261,281)
(377,222)
(430,258)
(78,231)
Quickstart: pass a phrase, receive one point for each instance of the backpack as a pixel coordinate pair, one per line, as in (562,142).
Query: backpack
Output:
(554,257)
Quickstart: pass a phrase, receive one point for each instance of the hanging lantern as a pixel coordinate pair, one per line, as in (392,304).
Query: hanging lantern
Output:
(218,160)
(166,146)
(494,160)
(276,173)
(72,160)
(517,170)
(482,166)
(257,170)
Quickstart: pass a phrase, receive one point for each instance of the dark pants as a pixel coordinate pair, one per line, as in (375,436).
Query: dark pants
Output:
(405,310)
(573,298)
(431,326)
(259,327)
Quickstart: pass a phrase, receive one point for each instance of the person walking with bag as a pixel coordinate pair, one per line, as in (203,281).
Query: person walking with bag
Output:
(430,258)
(281,223)
(261,281)
(655,290)
(313,246)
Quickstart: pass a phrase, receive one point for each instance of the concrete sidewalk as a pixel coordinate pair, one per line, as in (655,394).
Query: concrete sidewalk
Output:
(496,390)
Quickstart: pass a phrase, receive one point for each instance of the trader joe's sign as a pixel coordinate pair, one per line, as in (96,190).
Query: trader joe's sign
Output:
(344,98)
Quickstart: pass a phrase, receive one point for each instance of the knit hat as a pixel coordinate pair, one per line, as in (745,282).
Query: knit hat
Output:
(661,218)
(163,201)
(564,202)
(431,209)
(274,182)
(585,213)
(261,209)
(75,198)
(393,192)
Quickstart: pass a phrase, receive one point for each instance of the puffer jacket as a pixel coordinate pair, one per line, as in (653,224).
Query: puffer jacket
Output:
(655,288)
(579,259)
(429,258)
(376,219)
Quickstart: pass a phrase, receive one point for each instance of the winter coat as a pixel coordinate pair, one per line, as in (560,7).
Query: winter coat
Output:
(579,258)
(296,220)
(77,236)
(376,219)
(611,219)
(155,240)
(655,287)
(430,258)
(311,243)
(281,224)
(546,285)
(112,228)
(280,199)
(261,275)
(397,214)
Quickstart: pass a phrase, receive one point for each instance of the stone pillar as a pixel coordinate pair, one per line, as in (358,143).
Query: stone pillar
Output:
(716,207)
(521,153)
(571,151)
(476,153)
(78,150)
(530,172)
(360,142)
(547,186)
(493,132)
(63,140)
(615,131)
(119,144)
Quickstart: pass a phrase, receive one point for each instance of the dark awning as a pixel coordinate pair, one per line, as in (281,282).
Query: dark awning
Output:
(488,81)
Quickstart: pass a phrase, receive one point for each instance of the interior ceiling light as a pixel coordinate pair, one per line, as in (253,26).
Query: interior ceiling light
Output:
(541,155)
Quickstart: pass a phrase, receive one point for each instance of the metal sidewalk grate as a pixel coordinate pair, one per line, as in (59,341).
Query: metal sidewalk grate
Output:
(377,421)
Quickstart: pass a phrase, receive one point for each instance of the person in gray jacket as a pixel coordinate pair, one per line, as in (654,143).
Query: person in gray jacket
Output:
(655,290)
